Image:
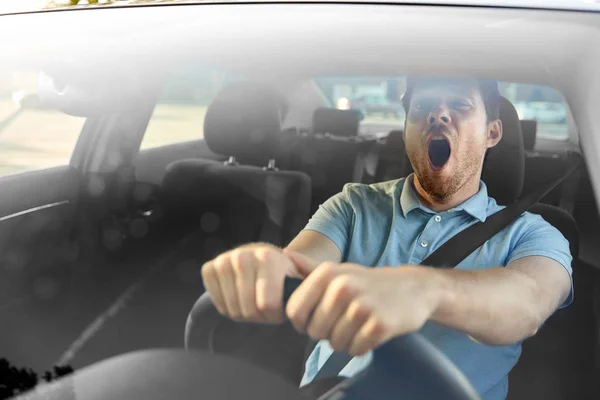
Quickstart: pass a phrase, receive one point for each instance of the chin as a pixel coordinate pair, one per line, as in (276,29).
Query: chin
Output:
(437,184)
(444,172)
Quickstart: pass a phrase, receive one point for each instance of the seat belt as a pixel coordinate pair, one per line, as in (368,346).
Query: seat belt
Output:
(366,163)
(456,249)
(569,189)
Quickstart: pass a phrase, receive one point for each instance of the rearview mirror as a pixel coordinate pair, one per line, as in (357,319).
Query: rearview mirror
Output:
(75,90)
(27,101)
(23,101)
(74,99)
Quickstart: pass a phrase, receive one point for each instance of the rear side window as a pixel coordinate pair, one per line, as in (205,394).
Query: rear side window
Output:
(32,137)
(377,97)
(542,104)
(379,100)
(179,112)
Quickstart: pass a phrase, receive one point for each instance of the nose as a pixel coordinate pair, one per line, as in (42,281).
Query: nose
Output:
(439,116)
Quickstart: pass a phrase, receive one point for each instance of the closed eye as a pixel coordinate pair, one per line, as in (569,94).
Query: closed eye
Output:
(460,105)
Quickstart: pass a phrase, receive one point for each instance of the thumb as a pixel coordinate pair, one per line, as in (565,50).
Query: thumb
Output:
(304,264)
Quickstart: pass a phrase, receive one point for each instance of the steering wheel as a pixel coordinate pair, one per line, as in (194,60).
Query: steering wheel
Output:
(406,367)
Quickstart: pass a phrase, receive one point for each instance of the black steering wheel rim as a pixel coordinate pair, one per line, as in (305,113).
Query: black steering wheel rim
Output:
(202,323)
(415,359)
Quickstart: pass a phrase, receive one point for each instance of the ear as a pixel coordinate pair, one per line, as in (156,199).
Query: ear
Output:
(494,133)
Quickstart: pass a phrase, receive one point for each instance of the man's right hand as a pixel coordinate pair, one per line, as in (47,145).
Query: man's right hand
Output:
(246,284)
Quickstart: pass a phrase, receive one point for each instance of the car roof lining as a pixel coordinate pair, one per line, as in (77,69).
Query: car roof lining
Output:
(506,44)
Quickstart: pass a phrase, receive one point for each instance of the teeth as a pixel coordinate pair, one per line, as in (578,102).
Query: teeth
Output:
(438,138)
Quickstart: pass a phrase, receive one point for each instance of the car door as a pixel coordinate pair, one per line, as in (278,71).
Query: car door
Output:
(67,220)
(39,193)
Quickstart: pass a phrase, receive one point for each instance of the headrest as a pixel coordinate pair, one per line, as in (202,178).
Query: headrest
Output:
(529,129)
(504,167)
(244,121)
(336,122)
(395,141)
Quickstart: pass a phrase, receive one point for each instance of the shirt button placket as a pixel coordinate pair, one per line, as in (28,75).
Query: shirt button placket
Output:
(424,240)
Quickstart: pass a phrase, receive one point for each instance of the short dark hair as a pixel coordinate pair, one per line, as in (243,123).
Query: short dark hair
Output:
(488,89)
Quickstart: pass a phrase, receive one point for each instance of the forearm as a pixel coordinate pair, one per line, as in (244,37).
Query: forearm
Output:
(312,244)
(254,245)
(495,306)
(316,246)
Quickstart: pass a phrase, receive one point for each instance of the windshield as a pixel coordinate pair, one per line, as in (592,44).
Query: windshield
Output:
(142,147)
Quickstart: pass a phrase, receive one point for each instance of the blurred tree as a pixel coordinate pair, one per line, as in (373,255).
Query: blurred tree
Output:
(14,381)
(62,3)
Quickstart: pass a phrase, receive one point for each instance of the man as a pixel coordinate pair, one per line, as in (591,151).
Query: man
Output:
(477,313)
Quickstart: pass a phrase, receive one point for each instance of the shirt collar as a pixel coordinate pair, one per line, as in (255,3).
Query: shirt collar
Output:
(476,205)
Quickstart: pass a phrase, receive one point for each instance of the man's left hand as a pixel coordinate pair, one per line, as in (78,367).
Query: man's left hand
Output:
(357,308)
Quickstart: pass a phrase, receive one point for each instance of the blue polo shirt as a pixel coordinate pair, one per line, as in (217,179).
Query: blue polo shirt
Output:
(386,224)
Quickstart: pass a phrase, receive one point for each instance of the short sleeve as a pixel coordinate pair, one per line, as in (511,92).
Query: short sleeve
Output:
(334,219)
(540,238)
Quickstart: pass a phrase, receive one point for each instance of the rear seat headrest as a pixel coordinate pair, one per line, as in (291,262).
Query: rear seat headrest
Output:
(244,121)
(336,122)
(504,167)
(395,140)
(529,129)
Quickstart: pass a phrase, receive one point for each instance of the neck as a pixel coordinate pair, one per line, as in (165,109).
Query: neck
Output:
(468,190)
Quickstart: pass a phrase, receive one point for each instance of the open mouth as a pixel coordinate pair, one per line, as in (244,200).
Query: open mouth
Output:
(438,148)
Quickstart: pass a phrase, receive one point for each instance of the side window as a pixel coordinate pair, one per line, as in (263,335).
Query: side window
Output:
(542,104)
(32,137)
(378,99)
(179,112)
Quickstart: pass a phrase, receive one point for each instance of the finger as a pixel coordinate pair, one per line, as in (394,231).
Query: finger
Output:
(269,286)
(347,327)
(226,279)
(306,297)
(211,284)
(244,267)
(370,336)
(305,265)
(327,313)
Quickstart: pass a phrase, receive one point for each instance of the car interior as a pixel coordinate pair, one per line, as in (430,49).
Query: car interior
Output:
(504,174)
(123,230)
